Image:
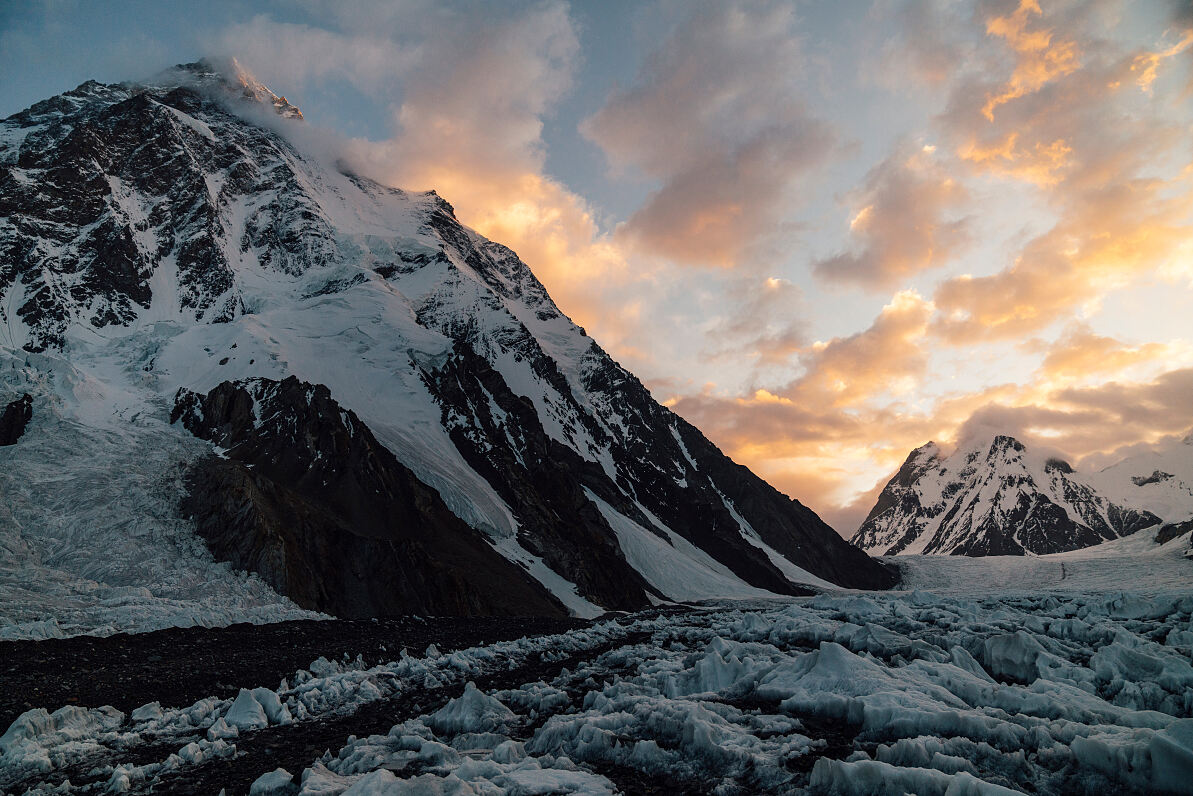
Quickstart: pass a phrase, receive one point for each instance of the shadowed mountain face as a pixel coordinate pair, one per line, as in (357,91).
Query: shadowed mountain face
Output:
(992,498)
(14,418)
(169,237)
(306,496)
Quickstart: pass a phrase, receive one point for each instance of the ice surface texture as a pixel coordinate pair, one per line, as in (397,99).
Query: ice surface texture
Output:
(849,694)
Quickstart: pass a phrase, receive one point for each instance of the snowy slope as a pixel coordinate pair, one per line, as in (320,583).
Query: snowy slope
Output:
(165,236)
(992,496)
(1159,480)
(1134,561)
(90,537)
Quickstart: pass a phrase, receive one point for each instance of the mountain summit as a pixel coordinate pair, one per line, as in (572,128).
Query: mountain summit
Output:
(992,496)
(375,409)
(226,76)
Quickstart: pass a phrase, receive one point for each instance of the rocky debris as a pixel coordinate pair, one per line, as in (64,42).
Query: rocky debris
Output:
(15,418)
(306,497)
(173,668)
(180,665)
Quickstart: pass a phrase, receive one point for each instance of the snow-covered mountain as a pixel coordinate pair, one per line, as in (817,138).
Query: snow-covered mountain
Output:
(1159,480)
(992,496)
(165,249)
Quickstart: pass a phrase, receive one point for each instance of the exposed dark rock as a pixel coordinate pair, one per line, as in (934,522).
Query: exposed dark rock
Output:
(308,498)
(1060,465)
(1172,530)
(546,481)
(74,190)
(1156,477)
(15,417)
(541,478)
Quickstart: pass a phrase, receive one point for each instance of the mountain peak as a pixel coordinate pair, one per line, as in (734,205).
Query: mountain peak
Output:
(992,497)
(228,74)
(204,251)
(1058,464)
(1006,442)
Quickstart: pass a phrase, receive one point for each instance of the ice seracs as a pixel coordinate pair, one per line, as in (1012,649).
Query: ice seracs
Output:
(1020,692)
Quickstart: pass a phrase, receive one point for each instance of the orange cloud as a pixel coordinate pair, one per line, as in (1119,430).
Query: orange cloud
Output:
(1111,236)
(820,429)
(1040,59)
(1081,355)
(1039,164)
(1092,150)
(906,221)
(1147,65)
(887,357)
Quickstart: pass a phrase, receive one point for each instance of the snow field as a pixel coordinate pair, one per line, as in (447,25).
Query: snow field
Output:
(1134,561)
(847,694)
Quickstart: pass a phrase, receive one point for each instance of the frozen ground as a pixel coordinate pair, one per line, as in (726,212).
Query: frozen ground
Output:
(1032,687)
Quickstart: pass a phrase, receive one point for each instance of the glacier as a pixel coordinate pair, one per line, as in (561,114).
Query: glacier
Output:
(988,687)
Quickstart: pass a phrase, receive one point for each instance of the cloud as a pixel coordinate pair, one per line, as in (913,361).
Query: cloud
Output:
(1147,65)
(1041,55)
(904,221)
(716,118)
(920,46)
(1081,355)
(813,436)
(294,55)
(888,357)
(1158,406)
(765,321)
(1091,142)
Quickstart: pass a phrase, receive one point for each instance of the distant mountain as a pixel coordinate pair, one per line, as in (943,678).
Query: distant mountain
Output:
(1159,480)
(164,250)
(993,497)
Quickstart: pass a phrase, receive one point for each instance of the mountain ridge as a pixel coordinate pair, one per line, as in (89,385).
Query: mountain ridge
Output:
(207,250)
(992,496)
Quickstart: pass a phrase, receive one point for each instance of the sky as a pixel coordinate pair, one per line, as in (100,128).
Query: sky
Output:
(825,233)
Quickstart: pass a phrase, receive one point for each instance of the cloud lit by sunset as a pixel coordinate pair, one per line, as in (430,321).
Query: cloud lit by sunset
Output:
(823,233)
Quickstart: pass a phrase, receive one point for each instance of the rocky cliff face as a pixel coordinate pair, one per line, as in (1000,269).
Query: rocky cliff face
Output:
(992,497)
(305,496)
(14,418)
(168,236)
